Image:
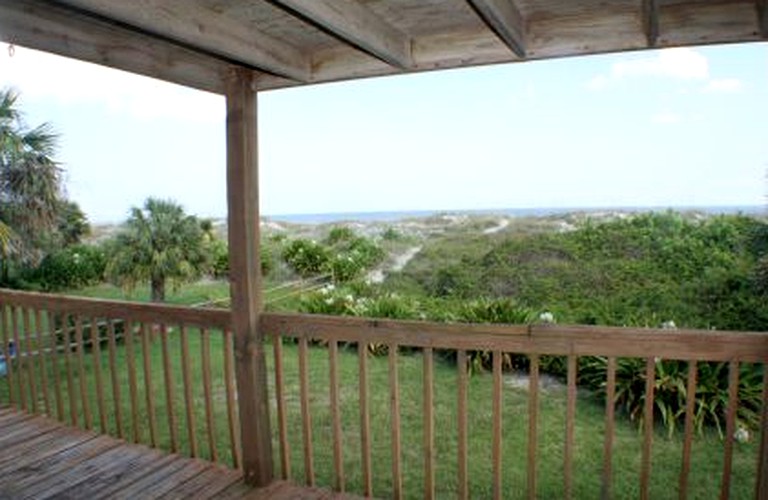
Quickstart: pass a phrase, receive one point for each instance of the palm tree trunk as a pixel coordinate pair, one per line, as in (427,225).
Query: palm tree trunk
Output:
(158,289)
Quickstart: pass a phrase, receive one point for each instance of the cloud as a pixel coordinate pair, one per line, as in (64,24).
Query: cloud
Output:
(725,85)
(675,63)
(666,118)
(39,75)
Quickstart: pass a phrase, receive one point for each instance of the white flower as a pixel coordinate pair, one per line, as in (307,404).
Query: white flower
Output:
(547,317)
(741,435)
(669,325)
(329,300)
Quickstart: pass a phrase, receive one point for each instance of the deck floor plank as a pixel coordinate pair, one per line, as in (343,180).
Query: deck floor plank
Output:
(42,458)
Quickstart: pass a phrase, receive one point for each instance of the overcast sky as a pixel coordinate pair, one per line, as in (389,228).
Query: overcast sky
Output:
(654,128)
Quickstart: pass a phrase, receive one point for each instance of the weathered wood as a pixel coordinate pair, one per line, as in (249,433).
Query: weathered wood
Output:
(138,312)
(40,334)
(570,425)
(504,18)
(71,391)
(229,381)
(533,419)
(336,434)
(690,416)
(149,391)
(116,399)
(463,462)
(394,417)
(186,376)
(762,17)
(651,21)
(210,423)
(365,419)
(96,353)
(306,415)
(80,349)
(429,423)
(168,379)
(645,460)
(544,339)
(21,360)
(133,386)
(606,487)
(44,26)
(245,278)
(730,428)
(496,457)
(355,24)
(192,24)
(282,418)
(10,377)
(28,335)
(53,348)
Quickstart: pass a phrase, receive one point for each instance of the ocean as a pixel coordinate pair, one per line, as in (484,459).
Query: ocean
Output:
(393,216)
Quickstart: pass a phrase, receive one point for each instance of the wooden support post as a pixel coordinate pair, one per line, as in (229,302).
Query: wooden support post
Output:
(245,277)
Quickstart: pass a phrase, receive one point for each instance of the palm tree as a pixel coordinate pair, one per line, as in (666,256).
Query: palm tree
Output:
(30,182)
(159,243)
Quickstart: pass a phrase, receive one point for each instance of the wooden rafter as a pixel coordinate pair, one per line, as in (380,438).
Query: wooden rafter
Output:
(356,25)
(40,25)
(193,24)
(651,21)
(762,17)
(504,18)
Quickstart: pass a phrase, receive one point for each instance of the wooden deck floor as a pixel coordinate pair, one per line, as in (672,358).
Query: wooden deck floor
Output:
(41,458)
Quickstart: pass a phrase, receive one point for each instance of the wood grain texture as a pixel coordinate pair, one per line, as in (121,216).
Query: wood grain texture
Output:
(282,417)
(336,433)
(606,487)
(186,375)
(730,428)
(96,363)
(210,421)
(570,425)
(645,460)
(394,412)
(463,459)
(169,385)
(306,414)
(504,18)
(690,407)
(533,420)
(149,390)
(365,419)
(428,411)
(496,456)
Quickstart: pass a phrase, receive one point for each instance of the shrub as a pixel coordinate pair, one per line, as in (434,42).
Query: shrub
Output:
(306,257)
(75,266)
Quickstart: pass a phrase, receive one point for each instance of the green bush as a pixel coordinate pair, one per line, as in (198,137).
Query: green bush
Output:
(306,257)
(75,266)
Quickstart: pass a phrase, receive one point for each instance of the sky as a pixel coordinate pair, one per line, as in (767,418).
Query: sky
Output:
(675,127)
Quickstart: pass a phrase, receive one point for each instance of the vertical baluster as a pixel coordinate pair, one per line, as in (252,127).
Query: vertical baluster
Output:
(365,418)
(96,353)
(645,465)
(80,346)
(730,428)
(42,355)
(189,402)
(429,424)
(394,411)
(282,421)
(229,381)
(610,397)
(533,418)
(149,391)
(31,355)
(463,476)
(306,417)
(71,390)
(761,485)
(168,379)
(10,377)
(338,459)
(690,406)
(117,400)
(53,345)
(496,445)
(205,342)
(21,358)
(570,424)
(133,383)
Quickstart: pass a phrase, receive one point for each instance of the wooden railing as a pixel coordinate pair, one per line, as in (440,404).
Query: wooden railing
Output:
(319,339)
(153,374)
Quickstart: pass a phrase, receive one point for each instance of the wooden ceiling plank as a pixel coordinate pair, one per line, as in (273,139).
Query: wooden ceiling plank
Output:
(192,24)
(762,13)
(504,18)
(43,26)
(357,25)
(651,21)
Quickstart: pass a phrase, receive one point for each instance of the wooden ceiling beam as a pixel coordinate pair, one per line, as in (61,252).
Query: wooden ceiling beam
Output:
(762,17)
(356,25)
(190,23)
(651,21)
(504,18)
(44,26)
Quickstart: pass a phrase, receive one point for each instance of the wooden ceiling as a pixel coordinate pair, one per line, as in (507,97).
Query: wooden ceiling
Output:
(300,42)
